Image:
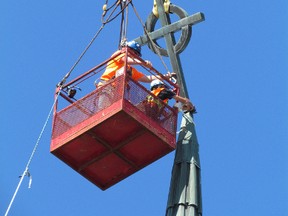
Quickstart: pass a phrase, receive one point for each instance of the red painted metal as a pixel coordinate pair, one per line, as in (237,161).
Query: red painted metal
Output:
(109,144)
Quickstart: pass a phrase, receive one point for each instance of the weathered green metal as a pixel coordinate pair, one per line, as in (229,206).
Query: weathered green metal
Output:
(185,198)
(185,188)
(170,42)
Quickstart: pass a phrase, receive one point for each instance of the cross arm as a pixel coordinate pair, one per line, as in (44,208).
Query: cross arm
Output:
(174,27)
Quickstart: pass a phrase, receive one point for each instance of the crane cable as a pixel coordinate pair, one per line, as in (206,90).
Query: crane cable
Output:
(104,22)
(60,84)
(26,171)
(124,23)
(105,10)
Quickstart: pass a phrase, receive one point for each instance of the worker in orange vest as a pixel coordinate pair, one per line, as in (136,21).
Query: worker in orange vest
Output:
(159,89)
(116,67)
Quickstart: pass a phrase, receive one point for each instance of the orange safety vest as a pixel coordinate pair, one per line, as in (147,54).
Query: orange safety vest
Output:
(112,66)
(151,100)
(116,64)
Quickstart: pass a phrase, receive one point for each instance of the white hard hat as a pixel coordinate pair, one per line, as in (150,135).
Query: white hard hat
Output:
(155,83)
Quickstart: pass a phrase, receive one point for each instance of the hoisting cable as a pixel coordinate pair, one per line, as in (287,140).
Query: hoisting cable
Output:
(121,30)
(26,171)
(109,19)
(105,10)
(80,57)
(124,23)
(149,38)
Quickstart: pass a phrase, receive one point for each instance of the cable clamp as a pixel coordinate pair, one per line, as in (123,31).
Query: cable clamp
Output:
(27,173)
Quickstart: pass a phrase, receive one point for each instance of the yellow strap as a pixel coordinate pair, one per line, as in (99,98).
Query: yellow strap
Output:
(166,7)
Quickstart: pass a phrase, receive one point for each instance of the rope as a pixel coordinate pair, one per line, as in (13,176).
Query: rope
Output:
(26,171)
(81,56)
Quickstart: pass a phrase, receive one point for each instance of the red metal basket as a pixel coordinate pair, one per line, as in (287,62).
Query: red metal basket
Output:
(111,133)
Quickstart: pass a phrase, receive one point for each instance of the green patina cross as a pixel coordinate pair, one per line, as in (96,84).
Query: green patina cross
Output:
(167,31)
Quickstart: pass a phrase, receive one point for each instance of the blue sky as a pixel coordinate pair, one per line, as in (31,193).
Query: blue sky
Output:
(235,68)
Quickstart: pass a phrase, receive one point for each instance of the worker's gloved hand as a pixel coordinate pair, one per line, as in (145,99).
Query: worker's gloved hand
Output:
(148,64)
(189,107)
(170,75)
(173,75)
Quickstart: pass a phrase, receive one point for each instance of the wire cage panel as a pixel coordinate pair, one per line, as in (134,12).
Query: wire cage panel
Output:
(88,106)
(164,115)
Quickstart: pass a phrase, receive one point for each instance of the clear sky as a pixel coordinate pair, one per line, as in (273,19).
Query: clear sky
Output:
(236,71)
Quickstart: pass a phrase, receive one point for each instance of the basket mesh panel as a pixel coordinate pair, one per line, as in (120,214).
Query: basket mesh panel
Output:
(104,97)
